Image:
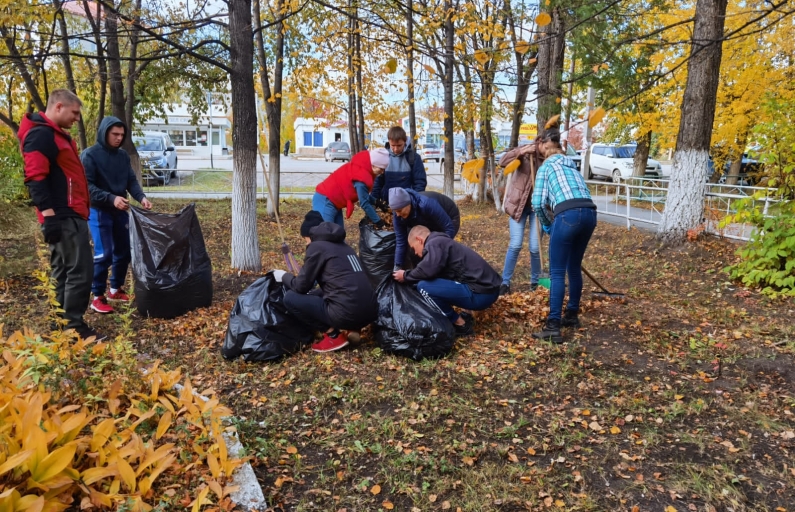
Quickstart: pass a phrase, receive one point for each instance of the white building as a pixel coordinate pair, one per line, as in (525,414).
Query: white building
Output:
(209,134)
(312,135)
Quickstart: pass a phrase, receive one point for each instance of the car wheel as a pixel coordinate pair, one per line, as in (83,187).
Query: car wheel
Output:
(438,160)
(166,177)
(616,176)
(325,157)
(590,172)
(722,180)
(176,162)
(172,174)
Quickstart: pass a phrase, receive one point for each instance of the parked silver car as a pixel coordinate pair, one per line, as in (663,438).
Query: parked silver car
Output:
(337,151)
(429,152)
(158,156)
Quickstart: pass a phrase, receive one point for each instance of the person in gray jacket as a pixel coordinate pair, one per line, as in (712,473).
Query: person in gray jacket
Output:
(110,178)
(451,274)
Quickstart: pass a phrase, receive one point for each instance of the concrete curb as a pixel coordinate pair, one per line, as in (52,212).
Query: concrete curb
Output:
(249,495)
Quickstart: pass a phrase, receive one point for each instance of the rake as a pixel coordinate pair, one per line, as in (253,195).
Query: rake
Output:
(289,259)
(543,278)
(605,292)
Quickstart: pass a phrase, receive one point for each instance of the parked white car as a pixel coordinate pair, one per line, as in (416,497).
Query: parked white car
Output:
(616,162)
(158,156)
(429,152)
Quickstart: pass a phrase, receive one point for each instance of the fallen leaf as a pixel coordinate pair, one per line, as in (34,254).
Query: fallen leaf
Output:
(388,505)
(292,450)
(594,426)
(615,430)
(376,489)
(445,505)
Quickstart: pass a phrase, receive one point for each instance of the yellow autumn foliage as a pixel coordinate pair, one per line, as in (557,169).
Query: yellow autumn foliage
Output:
(101,443)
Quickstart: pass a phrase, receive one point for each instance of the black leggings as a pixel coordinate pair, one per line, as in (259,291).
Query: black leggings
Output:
(309,308)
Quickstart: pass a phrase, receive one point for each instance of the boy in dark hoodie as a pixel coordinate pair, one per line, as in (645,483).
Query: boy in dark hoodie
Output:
(110,177)
(345,302)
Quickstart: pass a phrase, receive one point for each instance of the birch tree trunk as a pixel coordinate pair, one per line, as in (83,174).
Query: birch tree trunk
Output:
(684,205)
(410,70)
(449,154)
(245,242)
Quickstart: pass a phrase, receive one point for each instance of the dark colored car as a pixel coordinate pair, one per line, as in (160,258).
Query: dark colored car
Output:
(337,151)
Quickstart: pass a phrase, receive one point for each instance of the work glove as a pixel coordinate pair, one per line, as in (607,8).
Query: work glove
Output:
(51,229)
(278,275)
(380,224)
(546,228)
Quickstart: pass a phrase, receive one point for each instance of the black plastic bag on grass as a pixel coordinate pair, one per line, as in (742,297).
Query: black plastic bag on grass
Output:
(410,326)
(260,328)
(376,251)
(172,270)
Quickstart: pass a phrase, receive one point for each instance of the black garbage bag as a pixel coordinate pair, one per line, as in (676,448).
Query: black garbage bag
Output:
(377,251)
(410,326)
(260,328)
(172,269)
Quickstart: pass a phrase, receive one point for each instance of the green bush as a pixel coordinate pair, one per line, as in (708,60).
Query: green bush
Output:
(12,171)
(768,259)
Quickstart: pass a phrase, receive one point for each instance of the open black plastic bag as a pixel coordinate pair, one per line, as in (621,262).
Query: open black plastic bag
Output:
(260,328)
(376,251)
(172,269)
(410,326)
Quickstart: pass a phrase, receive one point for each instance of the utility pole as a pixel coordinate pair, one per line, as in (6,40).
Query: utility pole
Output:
(586,161)
(210,124)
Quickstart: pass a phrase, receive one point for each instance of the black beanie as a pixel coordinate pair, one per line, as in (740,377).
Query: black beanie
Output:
(552,134)
(311,220)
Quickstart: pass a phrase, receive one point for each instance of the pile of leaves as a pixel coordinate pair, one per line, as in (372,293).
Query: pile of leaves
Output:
(81,424)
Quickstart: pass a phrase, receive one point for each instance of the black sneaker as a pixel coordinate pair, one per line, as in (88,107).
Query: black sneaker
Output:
(86,332)
(467,316)
(464,330)
(505,289)
(570,318)
(550,332)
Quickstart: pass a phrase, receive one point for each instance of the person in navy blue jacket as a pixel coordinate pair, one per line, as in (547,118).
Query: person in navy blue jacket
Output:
(110,177)
(405,169)
(435,211)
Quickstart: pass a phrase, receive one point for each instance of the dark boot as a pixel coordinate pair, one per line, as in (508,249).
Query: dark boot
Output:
(550,331)
(505,289)
(570,318)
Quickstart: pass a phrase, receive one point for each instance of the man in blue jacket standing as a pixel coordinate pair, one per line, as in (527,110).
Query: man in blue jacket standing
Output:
(405,169)
(110,177)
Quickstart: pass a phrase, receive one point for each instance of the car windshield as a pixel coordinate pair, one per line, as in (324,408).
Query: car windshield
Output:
(430,146)
(148,144)
(625,151)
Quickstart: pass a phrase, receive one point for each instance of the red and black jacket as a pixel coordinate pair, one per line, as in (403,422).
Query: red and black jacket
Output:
(53,172)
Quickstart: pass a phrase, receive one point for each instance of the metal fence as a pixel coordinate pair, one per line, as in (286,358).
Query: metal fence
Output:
(641,202)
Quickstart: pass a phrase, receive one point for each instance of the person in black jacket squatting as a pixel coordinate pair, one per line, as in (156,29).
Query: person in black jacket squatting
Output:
(110,176)
(345,302)
(405,169)
(451,274)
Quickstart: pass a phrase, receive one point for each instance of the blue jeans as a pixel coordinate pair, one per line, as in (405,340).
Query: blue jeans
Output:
(571,231)
(446,294)
(515,247)
(326,209)
(111,234)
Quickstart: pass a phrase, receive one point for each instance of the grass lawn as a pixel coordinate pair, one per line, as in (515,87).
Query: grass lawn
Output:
(680,397)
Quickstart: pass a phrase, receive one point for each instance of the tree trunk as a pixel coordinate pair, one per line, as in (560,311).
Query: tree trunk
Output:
(641,156)
(737,163)
(525,67)
(359,86)
(684,204)
(449,154)
(273,102)
(95,20)
(551,53)
(352,121)
(410,70)
(129,105)
(67,66)
(245,242)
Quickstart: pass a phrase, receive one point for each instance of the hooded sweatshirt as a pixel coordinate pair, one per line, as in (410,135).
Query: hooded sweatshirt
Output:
(426,210)
(53,172)
(405,170)
(347,292)
(444,258)
(108,169)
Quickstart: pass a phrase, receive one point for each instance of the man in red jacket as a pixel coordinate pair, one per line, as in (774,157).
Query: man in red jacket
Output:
(58,188)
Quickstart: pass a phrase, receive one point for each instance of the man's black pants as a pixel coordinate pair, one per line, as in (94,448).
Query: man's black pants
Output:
(72,263)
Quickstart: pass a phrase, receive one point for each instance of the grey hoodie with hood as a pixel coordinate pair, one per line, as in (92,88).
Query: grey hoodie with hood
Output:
(108,169)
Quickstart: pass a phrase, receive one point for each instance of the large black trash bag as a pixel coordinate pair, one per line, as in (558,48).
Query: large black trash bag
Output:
(260,328)
(409,326)
(172,269)
(376,251)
